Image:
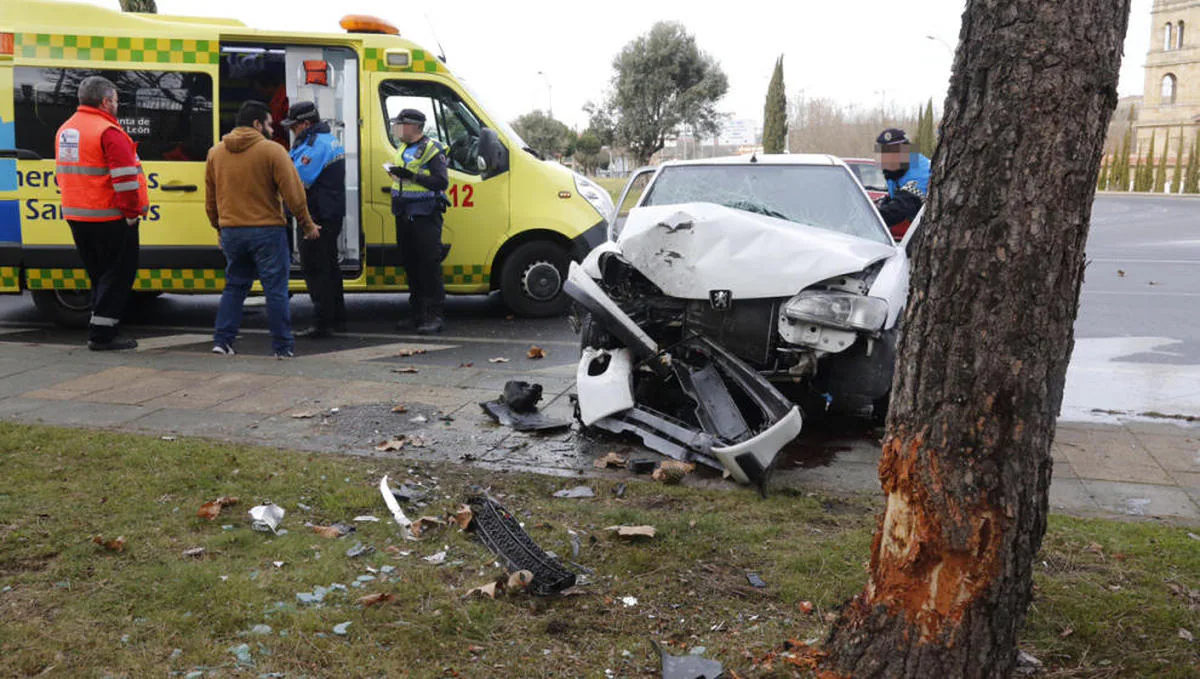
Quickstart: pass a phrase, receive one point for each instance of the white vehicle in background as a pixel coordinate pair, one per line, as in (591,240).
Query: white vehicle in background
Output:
(734,295)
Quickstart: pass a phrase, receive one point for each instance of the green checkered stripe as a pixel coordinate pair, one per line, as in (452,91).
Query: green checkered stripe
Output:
(10,279)
(57,279)
(147,279)
(375,59)
(180,279)
(451,275)
(108,48)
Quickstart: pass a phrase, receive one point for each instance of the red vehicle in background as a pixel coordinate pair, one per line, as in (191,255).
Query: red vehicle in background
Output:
(869,175)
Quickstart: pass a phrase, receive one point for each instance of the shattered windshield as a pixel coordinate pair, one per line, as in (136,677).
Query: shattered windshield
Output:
(825,197)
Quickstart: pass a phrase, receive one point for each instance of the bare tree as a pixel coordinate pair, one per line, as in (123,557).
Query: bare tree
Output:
(994,293)
(147,6)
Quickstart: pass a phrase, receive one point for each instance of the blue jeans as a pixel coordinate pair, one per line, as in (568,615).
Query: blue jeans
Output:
(255,252)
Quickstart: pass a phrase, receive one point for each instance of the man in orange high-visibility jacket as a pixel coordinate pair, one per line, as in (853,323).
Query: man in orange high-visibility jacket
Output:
(103,198)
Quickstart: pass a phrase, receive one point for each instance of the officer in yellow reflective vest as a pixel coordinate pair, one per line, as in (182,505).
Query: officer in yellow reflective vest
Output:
(418,202)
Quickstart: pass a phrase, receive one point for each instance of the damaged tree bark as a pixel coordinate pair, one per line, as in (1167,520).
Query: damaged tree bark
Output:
(988,334)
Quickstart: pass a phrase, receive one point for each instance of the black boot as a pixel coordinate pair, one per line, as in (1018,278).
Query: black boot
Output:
(430,326)
(316,332)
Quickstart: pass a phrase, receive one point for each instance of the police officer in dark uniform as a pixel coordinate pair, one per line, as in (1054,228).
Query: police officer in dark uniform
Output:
(418,202)
(321,162)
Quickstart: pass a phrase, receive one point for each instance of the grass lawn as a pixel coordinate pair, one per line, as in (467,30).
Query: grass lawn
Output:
(1111,600)
(612,184)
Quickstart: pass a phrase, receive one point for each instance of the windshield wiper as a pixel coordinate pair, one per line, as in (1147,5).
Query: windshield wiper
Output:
(533,151)
(756,208)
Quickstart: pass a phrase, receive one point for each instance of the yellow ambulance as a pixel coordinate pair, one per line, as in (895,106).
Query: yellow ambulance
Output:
(515,220)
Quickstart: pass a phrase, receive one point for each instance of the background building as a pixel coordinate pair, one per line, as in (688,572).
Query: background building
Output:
(1171,99)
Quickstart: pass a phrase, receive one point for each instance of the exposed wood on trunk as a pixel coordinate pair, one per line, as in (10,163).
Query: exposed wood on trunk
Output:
(987,336)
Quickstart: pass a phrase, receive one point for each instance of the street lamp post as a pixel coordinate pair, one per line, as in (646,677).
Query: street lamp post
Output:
(549,93)
(944,43)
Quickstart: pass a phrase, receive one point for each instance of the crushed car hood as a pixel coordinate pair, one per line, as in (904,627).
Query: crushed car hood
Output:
(691,249)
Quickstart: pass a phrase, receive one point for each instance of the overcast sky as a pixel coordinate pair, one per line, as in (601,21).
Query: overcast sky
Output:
(864,51)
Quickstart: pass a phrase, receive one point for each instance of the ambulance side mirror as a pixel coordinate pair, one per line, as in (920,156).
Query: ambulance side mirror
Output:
(492,153)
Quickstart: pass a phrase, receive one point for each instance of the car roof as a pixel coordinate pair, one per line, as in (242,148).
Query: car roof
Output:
(860,161)
(762,159)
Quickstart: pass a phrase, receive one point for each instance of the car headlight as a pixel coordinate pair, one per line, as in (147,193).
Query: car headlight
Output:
(597,196)
(838,309)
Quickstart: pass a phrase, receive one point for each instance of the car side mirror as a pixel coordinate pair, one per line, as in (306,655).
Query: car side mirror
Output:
(492,154)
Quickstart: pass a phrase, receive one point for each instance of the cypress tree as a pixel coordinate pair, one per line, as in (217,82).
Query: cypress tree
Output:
(1160,177)
(1102,178)
(1177,177)
(1145,176)
(1192,183)
(775,112)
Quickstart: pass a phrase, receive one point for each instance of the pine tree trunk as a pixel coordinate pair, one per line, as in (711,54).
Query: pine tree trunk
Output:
(995,288)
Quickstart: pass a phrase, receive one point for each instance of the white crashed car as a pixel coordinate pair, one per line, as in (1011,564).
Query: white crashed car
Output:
(735,294)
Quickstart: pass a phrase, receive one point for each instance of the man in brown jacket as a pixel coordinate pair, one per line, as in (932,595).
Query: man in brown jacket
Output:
(244,178)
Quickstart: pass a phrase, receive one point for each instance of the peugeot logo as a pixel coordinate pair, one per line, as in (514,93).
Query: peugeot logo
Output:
(720,299)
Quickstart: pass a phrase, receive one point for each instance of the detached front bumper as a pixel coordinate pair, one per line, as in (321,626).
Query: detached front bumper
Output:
(735,419)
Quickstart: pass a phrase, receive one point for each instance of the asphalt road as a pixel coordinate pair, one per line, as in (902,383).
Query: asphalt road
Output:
(1143,280)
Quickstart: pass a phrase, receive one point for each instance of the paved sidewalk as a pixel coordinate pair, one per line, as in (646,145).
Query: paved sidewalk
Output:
(1133,468)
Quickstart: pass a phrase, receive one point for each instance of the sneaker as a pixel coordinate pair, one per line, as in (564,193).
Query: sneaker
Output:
(223,349)
(115,344)
(283,354)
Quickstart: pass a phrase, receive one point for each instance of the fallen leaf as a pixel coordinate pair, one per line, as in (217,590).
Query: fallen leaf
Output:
(519,581)
(490,590)
(1153,283)
(117,545)
(376,598)
(498,359)
(407,370)
(633,531)
(806,607)
(1120,273)
(211,510)
(536,352)
(400,409)
(405,353)
(610,460)
(327,531)
(463,517)
(1186,635)
(672,472)
(1066,633)
(423,524)
(399,442)
(392,549)
(195,552)
(307,414)
(476,649)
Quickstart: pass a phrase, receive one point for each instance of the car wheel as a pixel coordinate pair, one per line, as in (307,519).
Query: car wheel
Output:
(68,308)
(532,277)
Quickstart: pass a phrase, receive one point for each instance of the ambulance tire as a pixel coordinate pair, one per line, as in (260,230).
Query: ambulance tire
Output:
(531,279)
(67,308)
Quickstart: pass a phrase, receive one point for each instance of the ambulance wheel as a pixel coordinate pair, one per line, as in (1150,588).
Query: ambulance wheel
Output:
(68,308)
(531,280)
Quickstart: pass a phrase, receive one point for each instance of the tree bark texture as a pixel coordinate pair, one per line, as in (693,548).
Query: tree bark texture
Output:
(987,336)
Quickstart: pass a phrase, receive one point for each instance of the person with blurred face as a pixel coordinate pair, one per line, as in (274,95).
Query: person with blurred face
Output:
(907,174)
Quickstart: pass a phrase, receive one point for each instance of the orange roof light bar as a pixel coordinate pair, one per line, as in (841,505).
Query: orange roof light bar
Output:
(365,23)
